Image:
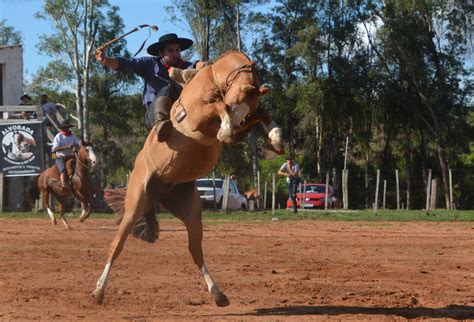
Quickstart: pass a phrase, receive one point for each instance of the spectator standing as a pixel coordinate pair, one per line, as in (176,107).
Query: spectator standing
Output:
(291,170)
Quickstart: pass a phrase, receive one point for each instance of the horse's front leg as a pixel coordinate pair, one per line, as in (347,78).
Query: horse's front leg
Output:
(137,204)
(226,132)
(184,202)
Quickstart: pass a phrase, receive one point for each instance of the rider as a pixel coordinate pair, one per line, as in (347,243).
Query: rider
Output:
(159,91)
(65,143)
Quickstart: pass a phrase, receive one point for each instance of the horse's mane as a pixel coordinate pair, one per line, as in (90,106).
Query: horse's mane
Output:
(86,143)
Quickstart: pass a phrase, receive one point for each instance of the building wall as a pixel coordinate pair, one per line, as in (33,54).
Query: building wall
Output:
(11,65)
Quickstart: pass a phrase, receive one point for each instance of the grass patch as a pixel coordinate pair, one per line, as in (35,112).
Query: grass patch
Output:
(437,215)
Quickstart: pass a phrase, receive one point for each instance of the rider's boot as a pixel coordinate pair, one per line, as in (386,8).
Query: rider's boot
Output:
(64,184)
(163,124)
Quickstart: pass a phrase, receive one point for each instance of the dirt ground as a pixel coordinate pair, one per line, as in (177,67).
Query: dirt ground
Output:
(281,270)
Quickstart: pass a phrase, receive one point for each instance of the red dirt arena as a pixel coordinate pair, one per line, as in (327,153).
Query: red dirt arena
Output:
(271,271)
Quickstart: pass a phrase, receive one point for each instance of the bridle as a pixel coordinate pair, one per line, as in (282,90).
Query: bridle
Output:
(247,68)
(86,165)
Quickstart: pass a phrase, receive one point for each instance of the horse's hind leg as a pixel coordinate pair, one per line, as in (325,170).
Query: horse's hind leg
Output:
(62,202)
(184,202)
(45,194)
(137,204)
(86,211)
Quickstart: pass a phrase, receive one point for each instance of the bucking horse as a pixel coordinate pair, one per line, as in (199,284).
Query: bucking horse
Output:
(219,105)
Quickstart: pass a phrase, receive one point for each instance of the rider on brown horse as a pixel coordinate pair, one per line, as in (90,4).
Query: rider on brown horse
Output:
(65,143)
(160,91)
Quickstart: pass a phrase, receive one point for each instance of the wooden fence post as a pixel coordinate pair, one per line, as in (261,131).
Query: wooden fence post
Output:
(451,203)
(384,193)
(214,189)
(398,189)
(345,188)
(265,196)
(434,191)
(258,189)
(225,198)
(273,193)
(428,190)
(377,191)
(327,191)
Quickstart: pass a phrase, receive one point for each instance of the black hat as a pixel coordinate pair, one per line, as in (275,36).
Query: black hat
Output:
(65,124)
(25,96)
(154,49)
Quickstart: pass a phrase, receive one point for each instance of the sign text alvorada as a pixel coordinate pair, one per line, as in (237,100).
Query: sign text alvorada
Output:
(17,128)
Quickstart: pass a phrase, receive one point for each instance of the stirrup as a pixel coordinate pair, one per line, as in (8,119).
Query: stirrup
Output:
(163,129)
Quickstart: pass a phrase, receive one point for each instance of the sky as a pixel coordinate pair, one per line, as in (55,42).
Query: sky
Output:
(20,14)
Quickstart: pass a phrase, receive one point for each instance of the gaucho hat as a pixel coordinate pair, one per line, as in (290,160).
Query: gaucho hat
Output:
(65,124)
(184,43)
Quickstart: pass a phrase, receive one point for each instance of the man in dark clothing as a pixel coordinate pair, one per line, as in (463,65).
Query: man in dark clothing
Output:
(159,91)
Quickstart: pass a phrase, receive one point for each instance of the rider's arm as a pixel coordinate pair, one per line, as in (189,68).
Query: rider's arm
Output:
(283,173)
(63,147)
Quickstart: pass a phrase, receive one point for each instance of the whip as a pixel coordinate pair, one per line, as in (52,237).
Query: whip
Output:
(151,28)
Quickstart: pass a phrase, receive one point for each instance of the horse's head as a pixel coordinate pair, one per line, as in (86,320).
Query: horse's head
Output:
(239,89)
(219,97)
(86,154)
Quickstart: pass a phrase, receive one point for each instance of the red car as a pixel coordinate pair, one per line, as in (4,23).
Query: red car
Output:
(313,196)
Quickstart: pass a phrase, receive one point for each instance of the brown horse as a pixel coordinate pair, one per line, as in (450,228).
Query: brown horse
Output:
(209,112)
(81,185)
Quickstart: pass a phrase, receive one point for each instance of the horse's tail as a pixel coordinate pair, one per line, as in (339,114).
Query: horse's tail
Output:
(32,190)
(146,228)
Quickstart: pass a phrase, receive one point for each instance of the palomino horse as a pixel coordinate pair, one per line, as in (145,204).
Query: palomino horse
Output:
(209,112)
(81,185)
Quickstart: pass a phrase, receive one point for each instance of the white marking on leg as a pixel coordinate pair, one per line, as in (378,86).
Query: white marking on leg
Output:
(83,212)
(66,223)
(102,282)
(275,135)
(225,132)
(211,285)
(50,213)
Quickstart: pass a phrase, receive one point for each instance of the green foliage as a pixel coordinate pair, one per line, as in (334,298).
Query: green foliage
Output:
(8,34)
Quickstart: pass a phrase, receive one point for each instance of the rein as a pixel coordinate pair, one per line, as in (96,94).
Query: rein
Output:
(247,68)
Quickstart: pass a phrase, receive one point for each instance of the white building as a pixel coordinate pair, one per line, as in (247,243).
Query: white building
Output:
(11,74)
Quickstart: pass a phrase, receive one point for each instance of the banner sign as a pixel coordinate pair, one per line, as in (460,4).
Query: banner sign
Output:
(22,149)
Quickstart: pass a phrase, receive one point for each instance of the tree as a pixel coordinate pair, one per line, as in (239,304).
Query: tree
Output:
(8,34)
(76,24)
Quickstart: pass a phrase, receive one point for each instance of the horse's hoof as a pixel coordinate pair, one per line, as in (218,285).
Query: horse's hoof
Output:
(82,218)
(54,222)
(97,297)
(222,300)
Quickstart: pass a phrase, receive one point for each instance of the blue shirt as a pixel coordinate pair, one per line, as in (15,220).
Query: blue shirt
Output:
(152,70)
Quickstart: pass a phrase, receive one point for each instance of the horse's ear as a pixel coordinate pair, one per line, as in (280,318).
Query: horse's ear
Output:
(248,88)
(262,90)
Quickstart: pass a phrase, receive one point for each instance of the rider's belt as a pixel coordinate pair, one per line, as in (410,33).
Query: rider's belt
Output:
(181,114)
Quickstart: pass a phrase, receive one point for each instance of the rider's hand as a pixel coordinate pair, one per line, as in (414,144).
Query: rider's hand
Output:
(99,55)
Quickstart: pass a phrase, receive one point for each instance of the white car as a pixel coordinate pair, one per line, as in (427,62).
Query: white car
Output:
(205,187)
